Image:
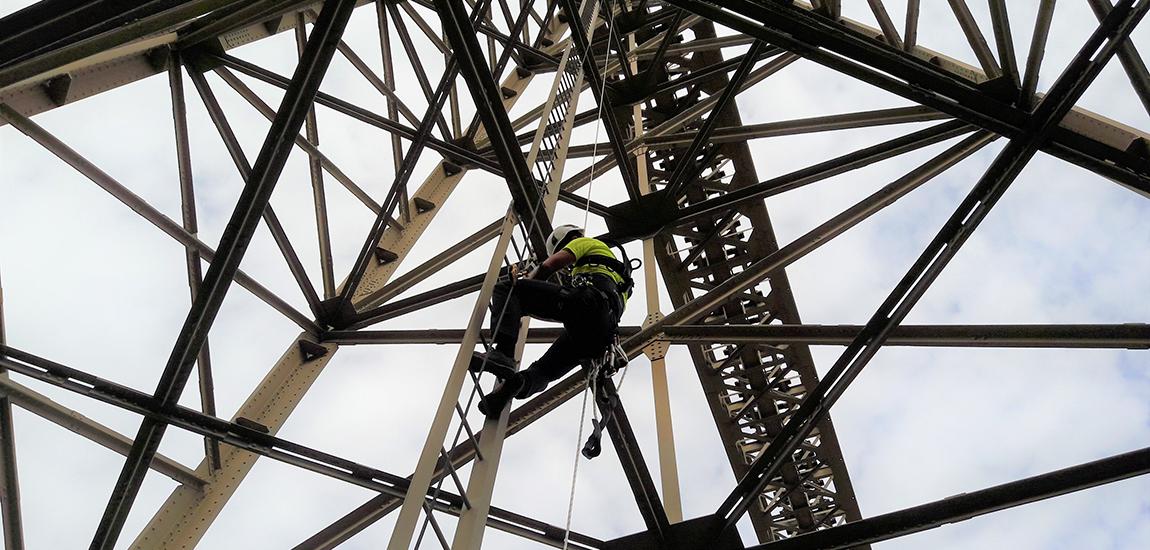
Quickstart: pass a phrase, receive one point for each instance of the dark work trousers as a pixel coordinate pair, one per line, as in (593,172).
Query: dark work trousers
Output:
(588,325)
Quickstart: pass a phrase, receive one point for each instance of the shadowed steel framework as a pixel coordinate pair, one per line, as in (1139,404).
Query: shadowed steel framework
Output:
(658,79)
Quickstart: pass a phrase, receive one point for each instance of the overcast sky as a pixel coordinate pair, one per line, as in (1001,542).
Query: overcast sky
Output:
(89,284)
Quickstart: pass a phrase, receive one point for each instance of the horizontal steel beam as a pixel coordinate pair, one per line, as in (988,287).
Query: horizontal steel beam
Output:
(71,50)
(1123,336)
(845,121)
(57,23)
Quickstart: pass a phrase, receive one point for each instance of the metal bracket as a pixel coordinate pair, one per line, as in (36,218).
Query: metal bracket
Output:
(657,349)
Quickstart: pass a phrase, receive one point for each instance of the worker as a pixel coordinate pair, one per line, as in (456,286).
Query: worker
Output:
(589,308)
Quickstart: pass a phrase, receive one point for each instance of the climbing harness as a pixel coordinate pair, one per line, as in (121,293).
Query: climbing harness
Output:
(622,268)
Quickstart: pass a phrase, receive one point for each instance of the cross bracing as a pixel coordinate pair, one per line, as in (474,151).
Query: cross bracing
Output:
(639,113)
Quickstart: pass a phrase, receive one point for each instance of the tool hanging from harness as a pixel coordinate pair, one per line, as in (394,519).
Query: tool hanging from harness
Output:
(601,370)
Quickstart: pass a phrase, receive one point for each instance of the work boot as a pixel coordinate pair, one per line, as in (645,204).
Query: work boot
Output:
(494,362)
(492,404)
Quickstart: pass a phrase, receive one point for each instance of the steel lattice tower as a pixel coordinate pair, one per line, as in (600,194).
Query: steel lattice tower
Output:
(511,91)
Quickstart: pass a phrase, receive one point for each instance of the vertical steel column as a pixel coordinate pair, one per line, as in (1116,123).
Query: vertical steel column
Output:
(191,255)
(665,430)
(9,480)
(656,353)
(1004,40)
(910,34)
(249,208)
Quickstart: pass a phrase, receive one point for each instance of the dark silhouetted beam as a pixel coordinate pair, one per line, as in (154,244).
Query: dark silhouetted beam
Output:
(972,504)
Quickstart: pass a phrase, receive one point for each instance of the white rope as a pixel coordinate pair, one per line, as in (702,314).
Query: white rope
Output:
(593,372)
(598,119)
(592,388)
(575,469)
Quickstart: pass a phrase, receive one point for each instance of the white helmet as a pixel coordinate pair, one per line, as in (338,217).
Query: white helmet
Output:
(561,236)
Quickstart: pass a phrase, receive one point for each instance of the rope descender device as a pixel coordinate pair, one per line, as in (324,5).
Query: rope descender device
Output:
(602,369)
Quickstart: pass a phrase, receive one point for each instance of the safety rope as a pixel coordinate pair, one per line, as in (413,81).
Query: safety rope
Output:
(575,468)
(598,118)
(593,372)
(523,258)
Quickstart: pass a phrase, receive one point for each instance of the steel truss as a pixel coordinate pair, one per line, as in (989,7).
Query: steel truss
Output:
(661,78)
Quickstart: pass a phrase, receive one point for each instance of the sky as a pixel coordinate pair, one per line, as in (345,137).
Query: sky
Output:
(89,284)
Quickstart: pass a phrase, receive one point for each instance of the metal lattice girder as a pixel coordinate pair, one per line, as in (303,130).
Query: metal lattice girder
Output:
(718,254)
(800,427)
(754,273)
(673,167)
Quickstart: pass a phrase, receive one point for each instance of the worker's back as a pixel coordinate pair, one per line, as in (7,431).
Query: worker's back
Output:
(588,251)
